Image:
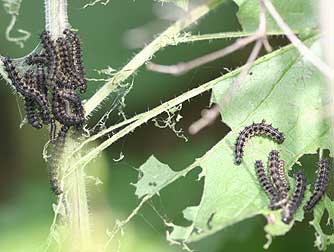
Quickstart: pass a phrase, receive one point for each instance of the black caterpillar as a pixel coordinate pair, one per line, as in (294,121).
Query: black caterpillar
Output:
(265,181)
(31,114)
(294,202)
(320,184)
(256,129)
(53,163)
(48,89)
(76,53)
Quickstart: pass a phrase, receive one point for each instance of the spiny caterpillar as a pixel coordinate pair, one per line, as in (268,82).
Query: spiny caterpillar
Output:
(53,164)
(282,191)
(320,184)
(47,81)
(76,52)
(32,118)
(295,200)
(27,88)
(265,181)
(256,129)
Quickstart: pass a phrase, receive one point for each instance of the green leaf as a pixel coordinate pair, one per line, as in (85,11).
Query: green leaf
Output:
(288,92)
(184,4)
(155,175)
(322,239)
(298,14)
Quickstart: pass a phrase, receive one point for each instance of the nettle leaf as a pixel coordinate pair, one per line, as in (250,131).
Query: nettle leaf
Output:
(184,4)
(288,92)
(155,175)
(322,239)
(299,14)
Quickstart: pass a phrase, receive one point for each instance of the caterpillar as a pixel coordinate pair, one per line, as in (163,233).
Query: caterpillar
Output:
(26,88)
(265,181)
(256,129)
(295,200)
(74,40)
(320,184)
(63,81)
(52,57)
(75,103)
(37,59)
(61,114)
(60,140)
(65,62)
(30,84)
(53,175)
(53,129)
(31,113)
(41,80)
(273,164)
(53,164)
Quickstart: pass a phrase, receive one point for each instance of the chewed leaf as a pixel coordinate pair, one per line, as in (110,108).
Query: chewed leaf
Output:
(299,14)
(155,175)
(283,89)
(323,240)
(286,91)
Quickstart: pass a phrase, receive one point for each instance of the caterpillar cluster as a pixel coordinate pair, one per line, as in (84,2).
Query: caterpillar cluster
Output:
(256,129)
(276,186)
(275,183)
(272,183)
(49,87)
(320,185)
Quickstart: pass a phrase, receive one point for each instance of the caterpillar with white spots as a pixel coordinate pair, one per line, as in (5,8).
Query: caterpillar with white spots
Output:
(256,129)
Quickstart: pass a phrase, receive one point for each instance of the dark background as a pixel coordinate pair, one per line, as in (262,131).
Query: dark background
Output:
(25,198)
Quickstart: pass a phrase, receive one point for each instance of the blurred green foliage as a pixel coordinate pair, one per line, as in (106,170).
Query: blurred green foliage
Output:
(25,199)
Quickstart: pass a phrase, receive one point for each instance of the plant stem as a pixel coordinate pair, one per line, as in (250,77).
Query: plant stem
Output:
(56,19)
(77,218)
(77,228)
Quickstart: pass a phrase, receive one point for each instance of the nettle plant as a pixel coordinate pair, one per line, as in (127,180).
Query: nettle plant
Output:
(291,88)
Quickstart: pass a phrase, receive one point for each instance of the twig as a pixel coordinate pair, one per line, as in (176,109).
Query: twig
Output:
(304,50)
(221,35)
(209,116)
(182,68)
